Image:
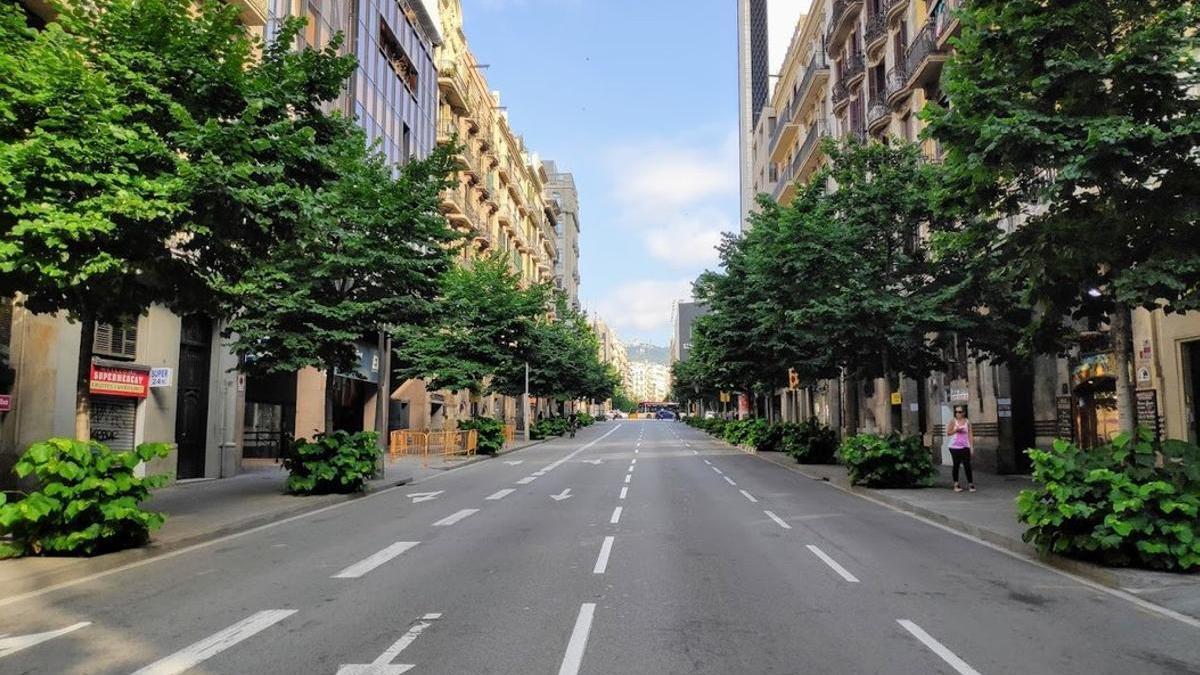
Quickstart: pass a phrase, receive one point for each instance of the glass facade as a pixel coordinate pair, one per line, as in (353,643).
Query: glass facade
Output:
(393,93)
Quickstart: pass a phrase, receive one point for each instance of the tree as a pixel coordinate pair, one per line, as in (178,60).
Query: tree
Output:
(485,323)
(1079,120)
(93,208)
(368,251)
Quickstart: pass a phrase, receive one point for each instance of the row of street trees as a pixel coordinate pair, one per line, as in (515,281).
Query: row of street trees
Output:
(1067,193)
(156,152)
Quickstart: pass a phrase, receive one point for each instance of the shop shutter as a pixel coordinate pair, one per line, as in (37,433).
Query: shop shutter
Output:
(116,340)
(113,421)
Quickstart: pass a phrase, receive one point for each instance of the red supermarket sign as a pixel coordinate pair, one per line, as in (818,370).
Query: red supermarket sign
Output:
(5,402)
(128,382)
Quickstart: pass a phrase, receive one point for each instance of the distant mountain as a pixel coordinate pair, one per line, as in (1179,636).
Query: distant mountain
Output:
(644,351)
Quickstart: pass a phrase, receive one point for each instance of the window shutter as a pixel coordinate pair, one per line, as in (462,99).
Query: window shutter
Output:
(112,340)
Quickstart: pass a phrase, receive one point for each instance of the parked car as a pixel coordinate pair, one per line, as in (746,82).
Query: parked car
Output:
(664,415)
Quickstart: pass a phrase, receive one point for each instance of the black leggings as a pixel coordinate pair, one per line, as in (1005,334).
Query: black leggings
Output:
(962,457)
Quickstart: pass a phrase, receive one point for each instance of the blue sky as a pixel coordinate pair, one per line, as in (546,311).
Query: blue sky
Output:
(637,98)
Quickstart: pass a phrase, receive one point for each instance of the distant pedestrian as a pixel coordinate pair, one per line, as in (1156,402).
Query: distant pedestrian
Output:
(962,447)
(573,423)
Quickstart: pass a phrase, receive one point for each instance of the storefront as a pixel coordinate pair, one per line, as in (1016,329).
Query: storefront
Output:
(116,389)
(1094,387)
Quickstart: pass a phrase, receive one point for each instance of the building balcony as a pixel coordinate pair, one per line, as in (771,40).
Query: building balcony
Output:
(945,16)
(815,77)
(897,85)
(784,187)
(842,14)
(841,95)
(446,130)
(783,135)
(876,31)
(924,59)
(810,153)
(453,86)
(878,115)
(853,69)
(253,12)
(894,9)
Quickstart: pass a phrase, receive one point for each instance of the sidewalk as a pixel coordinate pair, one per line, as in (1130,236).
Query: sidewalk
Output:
(991,515)
(202,510)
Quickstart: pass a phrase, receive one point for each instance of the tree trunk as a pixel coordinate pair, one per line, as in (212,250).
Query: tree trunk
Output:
(329,401)
(1121,325)
(850,418)
(83,377)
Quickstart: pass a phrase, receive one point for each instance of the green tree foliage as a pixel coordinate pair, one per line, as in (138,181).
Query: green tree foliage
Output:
(367,253)
(485,323)
(87,500)
(1080,120)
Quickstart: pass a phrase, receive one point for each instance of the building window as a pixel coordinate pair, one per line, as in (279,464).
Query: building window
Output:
(396,58)
(119,340)
(405,143)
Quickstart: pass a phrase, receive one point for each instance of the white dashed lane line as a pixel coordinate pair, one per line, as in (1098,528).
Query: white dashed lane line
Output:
(778,520)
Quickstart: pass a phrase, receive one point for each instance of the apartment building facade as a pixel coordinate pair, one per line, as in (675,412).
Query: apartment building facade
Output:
(563,195)
(612,352)
(865,69)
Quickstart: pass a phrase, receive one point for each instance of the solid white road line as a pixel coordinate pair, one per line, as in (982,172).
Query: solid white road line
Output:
(15,643)
(729,480)
(195,654)
(624,491)
(749,496)
(616,516)
(833,564)
(372,561)
(938,648)
(777,519)
(628,476)
(527,480)
(602,559)
(455,517)
(708,462)
(500,494)
(573,659)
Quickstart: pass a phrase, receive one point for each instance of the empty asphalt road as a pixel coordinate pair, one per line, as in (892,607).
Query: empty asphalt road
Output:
(639,547)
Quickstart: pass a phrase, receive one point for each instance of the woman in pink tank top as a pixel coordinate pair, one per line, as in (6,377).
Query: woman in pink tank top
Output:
(962,446)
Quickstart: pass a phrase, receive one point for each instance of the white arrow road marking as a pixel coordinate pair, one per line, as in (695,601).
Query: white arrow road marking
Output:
(369,563)
(455,517)
(16,643)
(573,659)
(418,497)
(938,648)
(513,462)
(565,494)
(383,665)
(193,655)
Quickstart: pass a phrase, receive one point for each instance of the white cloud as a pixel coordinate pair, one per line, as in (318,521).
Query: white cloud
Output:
(661,175)
(641,306)
(688,240)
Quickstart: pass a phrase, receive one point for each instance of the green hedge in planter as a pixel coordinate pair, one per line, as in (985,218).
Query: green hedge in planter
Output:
(491,433)
(340,462)
(887,462)
(585,419)
(88,500)
(1126,503)
(811,442)
(745,432)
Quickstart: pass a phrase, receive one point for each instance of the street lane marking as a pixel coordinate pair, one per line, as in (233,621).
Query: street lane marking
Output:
(749,496)
(630,469)
(938,648)
(718,470)
(624,491)
(565,494)
(374,560)
(15,643)
(383,665)
(632,462)
(455,517)
(571,456)
(616,516)
(695,452)
(628,476)
(729,480)
(778,520)
(527,480)
(500,494)
(833,564)
(602,559)
(708,462)
(418,497)
(573,659)
(193,655)
(513,462)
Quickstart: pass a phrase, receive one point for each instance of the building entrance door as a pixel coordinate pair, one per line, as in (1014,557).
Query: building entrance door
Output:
(191,407)
(1191,389)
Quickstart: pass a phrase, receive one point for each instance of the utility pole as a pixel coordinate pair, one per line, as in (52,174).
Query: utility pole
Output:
(382,399)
